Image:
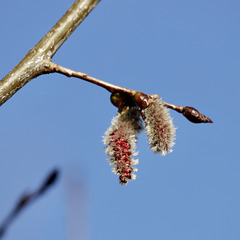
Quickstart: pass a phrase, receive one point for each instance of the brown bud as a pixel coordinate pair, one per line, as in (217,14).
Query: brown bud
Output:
(193,115)
(142,100)
(121,100)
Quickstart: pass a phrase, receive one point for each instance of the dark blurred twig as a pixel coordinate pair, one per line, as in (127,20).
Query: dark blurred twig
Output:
(26,199)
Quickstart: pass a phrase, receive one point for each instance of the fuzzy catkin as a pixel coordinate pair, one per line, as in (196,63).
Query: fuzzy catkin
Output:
(121,138)
(159,127)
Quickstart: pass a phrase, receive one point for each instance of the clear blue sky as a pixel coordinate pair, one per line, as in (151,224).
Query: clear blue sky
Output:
(185,51)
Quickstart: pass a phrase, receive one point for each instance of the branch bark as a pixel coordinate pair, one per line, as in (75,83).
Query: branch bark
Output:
(71,73)
(37,60)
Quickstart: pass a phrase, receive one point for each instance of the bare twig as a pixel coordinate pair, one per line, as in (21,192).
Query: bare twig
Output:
(192,114)
(108,86)
(26,199)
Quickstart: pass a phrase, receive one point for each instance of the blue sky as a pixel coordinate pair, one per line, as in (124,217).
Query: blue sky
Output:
(185,51)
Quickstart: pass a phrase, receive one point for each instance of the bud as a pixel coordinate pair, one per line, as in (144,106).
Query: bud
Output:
(121,138)
(193,115)
(159,126)
(142,100)
(121,100)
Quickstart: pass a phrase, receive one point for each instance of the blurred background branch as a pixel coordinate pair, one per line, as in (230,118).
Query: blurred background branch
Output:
(27,198)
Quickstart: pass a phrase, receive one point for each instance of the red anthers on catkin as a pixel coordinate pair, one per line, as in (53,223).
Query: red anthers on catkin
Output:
(159,126)
(121,138)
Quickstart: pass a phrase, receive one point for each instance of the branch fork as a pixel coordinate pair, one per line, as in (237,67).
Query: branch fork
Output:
(134,107)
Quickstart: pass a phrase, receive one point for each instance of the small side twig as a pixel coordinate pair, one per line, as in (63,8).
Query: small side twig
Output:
(71,73)
(26,199)
(192,114)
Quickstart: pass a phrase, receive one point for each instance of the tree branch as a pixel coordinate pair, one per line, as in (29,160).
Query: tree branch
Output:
(37,60)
